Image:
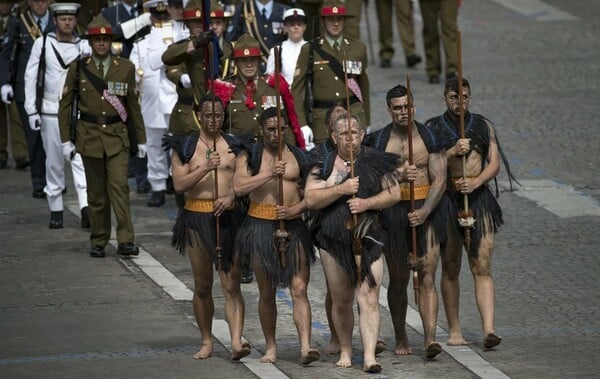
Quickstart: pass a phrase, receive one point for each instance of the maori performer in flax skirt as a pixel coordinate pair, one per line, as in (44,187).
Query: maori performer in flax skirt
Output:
(483,154)
(351,245)
(279,258)
(199,160)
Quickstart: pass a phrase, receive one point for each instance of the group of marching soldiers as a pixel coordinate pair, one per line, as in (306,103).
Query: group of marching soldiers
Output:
(268,152)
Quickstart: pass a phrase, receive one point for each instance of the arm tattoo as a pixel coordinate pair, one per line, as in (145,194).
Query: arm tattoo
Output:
(437,173)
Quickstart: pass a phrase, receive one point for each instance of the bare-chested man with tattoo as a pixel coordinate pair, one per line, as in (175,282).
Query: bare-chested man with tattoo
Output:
(195,163)
(257,173)
(483,155)
(342,237)
(429,217)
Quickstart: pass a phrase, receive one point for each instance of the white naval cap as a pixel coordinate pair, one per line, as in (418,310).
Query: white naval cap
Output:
(64,8)
(294,14)
(160,5)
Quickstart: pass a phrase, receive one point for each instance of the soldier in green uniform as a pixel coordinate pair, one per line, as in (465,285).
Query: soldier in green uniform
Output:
(446,12)
(252,94)
(319,80)
(403,10)
(190,51)
(108,106)
(9,114)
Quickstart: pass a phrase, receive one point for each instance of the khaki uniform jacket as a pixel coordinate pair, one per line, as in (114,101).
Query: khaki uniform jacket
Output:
(95,140)
(177,53)
(328,87)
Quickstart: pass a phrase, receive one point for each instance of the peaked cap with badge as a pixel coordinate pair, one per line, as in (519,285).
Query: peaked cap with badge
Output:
(332,8)
(246,46)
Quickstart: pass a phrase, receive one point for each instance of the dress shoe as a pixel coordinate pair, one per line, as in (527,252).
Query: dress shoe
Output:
(39,194)
(246,276)
(56,220)
(434,79)
(157,199)
(97,251)
(21,163)
(127,249)
(3,163)
(413,60)
(85,218)
(386,63)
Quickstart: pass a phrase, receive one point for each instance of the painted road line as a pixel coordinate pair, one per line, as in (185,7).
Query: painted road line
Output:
(172,285)
(560,199)
(462,354)
(537,10)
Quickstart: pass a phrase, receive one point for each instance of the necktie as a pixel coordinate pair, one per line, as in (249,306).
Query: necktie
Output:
(336,46)
(39,24)
(250,91)
(264,13)
(101,70)
(133,12)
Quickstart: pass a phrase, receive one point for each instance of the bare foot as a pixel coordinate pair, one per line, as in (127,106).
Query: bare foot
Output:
(244,351)
(402,349)
(333,348)
(456,339)
(204,352)
(311,356)
(374,368)
(345,359)
(270,356)
(491,340)
(380,346)
(433,349)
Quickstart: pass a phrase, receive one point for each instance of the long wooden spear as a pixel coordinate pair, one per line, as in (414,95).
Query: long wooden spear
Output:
(281,237)
(411,187)
(209,80)
(465,217)
(356,242)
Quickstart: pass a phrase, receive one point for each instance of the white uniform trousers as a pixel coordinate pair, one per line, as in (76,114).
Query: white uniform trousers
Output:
(55,167)
(158,160)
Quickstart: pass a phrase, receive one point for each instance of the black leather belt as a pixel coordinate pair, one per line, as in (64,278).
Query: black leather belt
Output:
(185,100)
(100,120)
(326,104)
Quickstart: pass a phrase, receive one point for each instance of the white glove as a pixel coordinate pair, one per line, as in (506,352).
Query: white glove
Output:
(142,150)
(7,93)
(68,150)
(185,80)
(35,122)
(134,25)
(308,137)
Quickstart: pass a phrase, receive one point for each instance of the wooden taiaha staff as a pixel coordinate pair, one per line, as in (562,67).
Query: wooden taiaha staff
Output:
(281,237)
(411,188)
(209,80)
(465,217)
(356,243)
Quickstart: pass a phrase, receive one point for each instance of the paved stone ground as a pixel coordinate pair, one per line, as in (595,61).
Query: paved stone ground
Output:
(64,315)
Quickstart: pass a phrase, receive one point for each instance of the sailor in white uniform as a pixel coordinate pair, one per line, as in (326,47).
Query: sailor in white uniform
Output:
(60,49)
(158,95)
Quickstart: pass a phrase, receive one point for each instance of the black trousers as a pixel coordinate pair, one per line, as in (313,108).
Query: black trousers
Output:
(35,150)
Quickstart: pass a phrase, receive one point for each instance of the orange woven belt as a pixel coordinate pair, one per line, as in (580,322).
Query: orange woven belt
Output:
(420,192)
(203,206)
(264,211)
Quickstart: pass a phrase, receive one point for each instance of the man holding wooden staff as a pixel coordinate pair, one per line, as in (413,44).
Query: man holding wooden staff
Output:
(195,162)
(483,154)
(429,216)
(341,176)
(258,172)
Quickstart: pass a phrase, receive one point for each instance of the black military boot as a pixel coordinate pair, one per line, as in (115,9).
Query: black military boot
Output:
(56,220)
(157,199)
(85,218)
